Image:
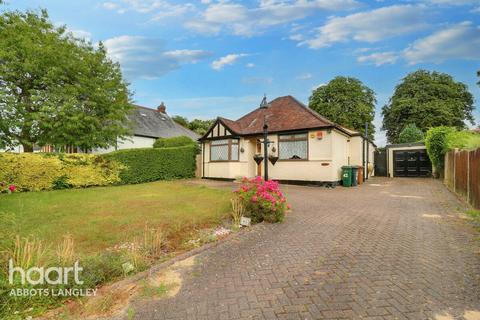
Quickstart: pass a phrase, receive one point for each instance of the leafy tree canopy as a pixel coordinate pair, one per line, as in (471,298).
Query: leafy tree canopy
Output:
(56,89)
(199,126)
(346,101)
(410,134)
(427,99)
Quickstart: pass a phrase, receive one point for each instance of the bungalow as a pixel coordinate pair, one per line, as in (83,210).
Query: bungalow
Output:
(309,147)
(149,125)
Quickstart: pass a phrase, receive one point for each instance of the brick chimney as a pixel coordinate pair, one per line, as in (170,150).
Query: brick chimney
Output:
(162,108)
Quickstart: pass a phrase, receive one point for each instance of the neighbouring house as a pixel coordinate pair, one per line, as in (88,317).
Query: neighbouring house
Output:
(149,125)
(309,147)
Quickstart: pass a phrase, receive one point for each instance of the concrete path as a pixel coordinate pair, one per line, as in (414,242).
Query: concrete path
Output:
(390,249)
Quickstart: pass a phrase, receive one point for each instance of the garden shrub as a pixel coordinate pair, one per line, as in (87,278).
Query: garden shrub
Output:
(173,142)
(437,146)
(152,164)
(41,171)
(262,199)
(440,140)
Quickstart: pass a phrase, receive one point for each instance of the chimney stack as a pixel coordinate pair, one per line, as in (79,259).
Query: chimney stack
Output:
(162,108)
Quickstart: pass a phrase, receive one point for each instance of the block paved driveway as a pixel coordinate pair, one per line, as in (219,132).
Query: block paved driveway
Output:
(390,249)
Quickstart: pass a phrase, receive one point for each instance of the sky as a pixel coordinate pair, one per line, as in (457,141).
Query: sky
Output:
(208,58)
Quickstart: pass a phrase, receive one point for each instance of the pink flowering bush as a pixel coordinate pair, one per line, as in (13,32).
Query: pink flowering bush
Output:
(263,200)
(7,188)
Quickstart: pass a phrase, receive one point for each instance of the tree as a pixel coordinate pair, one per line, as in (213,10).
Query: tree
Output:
(427,99)
(181,121)
(199,126)
(346,101)
(410,134)
(56,89)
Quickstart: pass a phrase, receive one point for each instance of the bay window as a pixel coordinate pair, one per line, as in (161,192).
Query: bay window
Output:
(224,150)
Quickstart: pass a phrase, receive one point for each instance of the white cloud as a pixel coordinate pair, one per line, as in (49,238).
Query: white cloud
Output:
(227,60)
(159,9)
(452,2)
(305,76)
(475,10)
(250,65)
(242,20)
(188,56)
(146,58)
(379,58)
(110,5)
(370,26)
(461,41)
(296,37)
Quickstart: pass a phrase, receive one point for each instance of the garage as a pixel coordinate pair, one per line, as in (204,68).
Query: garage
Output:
(408,160)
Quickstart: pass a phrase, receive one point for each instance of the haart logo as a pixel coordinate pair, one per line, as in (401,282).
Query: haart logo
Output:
(41,275)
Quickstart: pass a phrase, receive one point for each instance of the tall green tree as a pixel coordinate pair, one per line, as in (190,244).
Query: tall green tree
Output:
(410,134)
(199,126)
(56,89)
(181,121)
(346,101)
(427,99)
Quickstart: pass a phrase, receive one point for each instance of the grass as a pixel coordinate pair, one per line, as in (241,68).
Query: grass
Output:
(475,215)
(99,218)
(104,228)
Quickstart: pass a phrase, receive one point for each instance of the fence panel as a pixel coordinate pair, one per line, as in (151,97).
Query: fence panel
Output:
(461,172)
(474,177)
(450,169)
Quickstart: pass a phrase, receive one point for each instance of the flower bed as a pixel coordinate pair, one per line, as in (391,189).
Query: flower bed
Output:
(263,200)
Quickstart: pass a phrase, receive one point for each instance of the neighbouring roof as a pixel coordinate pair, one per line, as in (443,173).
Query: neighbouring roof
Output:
(155,124)
(281,114)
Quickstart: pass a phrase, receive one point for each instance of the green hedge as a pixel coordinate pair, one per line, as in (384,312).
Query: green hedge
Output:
(440,140)
(47,171)
(173,142)
(151,164)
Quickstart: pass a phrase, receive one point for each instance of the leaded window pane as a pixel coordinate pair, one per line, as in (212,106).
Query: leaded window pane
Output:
(295,149)
(219,153)
(234,152)
(221,150)
(217,142)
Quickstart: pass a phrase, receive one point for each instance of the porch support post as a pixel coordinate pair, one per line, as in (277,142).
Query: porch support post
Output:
(265,150)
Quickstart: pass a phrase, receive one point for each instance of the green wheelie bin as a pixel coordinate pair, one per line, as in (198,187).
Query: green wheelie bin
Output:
(347,176)
(354,176)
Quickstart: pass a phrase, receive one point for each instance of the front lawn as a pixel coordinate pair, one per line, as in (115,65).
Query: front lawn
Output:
(105,228)
(98,218)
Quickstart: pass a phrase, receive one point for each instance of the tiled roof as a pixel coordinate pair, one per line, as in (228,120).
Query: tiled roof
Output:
(281,114)
(153,123)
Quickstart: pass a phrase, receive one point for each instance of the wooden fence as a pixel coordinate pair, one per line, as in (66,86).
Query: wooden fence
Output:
(462,174)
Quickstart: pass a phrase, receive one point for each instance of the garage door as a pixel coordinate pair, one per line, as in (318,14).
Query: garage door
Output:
(411,163)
